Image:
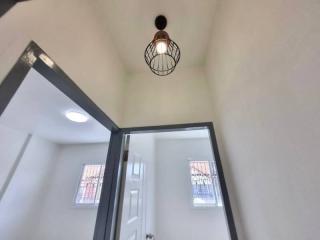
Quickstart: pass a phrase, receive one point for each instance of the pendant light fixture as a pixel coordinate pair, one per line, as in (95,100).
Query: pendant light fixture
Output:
(162,54)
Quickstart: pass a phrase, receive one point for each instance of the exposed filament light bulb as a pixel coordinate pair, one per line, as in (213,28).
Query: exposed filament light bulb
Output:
(161,47)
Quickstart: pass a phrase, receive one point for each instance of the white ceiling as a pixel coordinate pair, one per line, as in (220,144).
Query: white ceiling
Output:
(131,27)
(38,107)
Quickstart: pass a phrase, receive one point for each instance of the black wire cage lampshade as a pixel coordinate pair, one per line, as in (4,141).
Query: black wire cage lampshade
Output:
(162,54)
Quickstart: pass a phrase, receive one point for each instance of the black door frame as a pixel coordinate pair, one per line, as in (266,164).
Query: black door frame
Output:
(34,57)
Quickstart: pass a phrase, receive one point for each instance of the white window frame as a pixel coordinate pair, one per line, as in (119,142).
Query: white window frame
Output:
(218,188)
(85,205)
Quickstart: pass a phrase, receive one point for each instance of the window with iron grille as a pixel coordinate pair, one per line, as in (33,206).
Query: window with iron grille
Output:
(89,189)
(205,184)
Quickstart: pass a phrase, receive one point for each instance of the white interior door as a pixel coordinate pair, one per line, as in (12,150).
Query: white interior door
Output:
(132,220)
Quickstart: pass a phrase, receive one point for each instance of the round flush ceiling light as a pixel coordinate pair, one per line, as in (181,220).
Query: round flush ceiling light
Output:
(162,54)
(75,116)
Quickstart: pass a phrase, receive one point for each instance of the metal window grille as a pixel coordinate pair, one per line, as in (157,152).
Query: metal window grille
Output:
(205,184)
(89,189)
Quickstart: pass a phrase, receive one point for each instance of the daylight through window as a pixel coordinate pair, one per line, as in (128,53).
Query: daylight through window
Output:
(205,184)
(89,189)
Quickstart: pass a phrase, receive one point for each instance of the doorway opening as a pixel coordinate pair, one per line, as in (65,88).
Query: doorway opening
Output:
(170,187)
(44,193)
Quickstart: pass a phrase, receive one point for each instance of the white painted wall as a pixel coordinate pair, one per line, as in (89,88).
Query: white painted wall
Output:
(11,143)
(180,97)
(75,38)
(20,206)
(176,218)
(39,200)
(264,69)
(60,218)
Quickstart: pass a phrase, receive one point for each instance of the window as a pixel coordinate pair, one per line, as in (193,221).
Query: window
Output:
(205,184)
(89,189)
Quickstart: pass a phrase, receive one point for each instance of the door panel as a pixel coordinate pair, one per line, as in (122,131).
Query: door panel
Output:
(132,213)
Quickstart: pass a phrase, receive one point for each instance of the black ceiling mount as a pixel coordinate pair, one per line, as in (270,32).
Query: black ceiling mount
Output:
(161,22)
(162,53)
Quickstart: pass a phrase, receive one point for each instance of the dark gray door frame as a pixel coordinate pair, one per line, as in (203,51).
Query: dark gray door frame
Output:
(6,5)
(34,57)
(214,145)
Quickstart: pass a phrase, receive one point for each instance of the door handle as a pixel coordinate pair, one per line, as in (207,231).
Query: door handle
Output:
(150,236)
